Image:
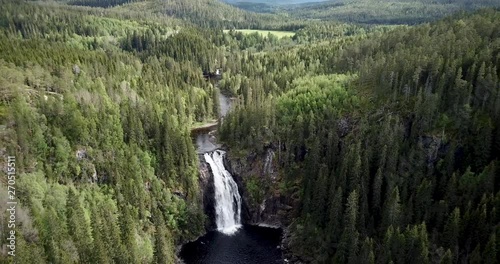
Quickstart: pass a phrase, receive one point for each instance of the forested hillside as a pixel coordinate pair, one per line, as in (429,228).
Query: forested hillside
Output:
(204,13)
(389,146)
(98,117)
(371,11)
(97,106)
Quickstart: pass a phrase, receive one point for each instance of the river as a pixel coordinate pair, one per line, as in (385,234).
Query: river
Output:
(204,137)
(249,245)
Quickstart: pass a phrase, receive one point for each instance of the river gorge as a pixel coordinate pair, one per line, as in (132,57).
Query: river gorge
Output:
(233,236)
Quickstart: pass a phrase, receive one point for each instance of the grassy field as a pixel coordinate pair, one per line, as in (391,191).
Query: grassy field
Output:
(279,34)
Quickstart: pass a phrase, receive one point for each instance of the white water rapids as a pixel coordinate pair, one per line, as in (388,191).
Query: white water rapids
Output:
(227,197)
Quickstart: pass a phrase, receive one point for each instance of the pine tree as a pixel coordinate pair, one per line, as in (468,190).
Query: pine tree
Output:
(447,258)
(162,246)
(128,233)
(320,195)
(451,233)
(100,254)
(366,254)
(377,190)
(475,256)
(335,215)
(78,226)
(417,244)
(490,251)
(392,209)
(36,254)
(350,235)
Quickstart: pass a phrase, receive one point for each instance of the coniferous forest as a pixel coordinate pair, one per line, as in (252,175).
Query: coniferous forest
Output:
(384,122)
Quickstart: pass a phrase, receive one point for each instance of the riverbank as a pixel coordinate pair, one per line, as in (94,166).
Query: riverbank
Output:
(211,125)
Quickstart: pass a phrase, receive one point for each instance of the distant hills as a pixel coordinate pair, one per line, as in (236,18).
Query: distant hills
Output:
(272,2)
(386,11)
(365,11)
(290,14)
(204,13)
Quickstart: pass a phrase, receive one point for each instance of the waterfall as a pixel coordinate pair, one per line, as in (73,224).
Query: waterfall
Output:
(227,197)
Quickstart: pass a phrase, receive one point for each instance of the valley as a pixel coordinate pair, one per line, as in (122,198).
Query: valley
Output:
(152,131)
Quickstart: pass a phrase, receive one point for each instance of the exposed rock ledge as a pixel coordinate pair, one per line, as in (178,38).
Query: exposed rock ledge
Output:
(275,210)
(272,210)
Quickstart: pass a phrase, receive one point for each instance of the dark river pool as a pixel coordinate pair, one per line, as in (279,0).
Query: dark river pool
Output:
(249,245)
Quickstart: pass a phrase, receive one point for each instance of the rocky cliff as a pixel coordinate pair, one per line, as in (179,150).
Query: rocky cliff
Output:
(206,183)
(257,176)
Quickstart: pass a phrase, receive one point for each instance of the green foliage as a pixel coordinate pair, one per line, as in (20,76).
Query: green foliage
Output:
(398,124)
(264,33)
(315,95)
(93,126)
(215,14)
(100,3)
(386,134)
(256,189)
(383,11)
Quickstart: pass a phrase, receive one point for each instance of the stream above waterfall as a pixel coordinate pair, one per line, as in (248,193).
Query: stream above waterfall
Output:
(203,137)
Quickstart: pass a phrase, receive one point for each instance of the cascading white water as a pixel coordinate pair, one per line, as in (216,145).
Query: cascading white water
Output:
(227,197)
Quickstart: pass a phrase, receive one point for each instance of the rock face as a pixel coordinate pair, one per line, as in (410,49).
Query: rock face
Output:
(76,69)
(272,209)
(288,257)
(433,148)
(206,183)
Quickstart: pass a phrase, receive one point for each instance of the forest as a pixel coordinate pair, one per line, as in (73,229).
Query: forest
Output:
(367,11)
(387,130)
(389,144)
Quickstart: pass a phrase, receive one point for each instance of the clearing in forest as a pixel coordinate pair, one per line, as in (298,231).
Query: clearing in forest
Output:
(279,34)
